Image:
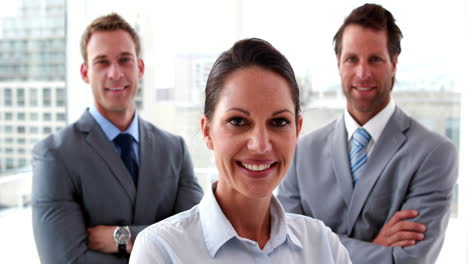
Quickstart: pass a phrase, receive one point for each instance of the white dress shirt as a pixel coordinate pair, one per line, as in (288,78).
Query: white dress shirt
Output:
(374,126)
(203,234)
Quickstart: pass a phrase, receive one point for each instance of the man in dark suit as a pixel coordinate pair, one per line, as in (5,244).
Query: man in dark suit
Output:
(100,181)
(375,176)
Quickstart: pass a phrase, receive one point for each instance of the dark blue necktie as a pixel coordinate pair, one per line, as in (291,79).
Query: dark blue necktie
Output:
(124,141)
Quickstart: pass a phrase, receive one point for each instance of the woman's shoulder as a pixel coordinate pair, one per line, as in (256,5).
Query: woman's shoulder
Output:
(307,220)
(303,225)
(165,241)
(174,225)
(313,233)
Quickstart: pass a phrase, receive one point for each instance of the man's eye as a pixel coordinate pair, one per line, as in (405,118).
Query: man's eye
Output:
(124,60)
(237,121)
(280,122)
(351,59)
(101,62)
(375,59)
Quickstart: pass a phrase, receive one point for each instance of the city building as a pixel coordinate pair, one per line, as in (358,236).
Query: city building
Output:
(32,78)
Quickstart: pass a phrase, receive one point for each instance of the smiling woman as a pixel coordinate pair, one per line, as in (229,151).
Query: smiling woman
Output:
(253,133)
(251,123)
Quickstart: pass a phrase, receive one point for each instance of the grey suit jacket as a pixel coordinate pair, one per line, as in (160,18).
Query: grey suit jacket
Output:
(79,181)
(409,168)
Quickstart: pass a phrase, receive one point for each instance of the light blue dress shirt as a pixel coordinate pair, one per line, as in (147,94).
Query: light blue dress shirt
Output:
(203,234)
(111,131)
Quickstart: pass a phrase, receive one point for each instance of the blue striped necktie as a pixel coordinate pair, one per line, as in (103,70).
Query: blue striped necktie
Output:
(358,153)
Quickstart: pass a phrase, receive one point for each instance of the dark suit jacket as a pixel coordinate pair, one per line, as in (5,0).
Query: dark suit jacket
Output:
(409,168)
(79,181)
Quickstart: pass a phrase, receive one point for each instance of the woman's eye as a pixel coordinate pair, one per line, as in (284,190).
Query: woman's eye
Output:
(237,121)
(280,122)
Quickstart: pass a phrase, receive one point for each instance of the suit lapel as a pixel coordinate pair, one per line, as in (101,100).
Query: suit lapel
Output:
(389,143)
(97,141)
(338,154)
(150,153)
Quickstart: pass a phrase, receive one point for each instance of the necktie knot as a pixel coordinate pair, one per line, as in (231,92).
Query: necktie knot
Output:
(125,141)
(358,153)
(361,137)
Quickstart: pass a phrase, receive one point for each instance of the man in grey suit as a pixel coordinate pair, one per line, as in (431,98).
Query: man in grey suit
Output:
(100,181)
(375,176)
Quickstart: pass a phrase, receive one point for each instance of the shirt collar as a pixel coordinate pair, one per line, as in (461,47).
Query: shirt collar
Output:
(110,130)
(374,126)
(217,230)
(280,231)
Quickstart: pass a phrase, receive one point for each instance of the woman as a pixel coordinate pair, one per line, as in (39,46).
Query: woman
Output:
(251,122)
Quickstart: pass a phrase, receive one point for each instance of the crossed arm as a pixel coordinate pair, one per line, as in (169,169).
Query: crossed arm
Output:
(415,233)
(60,230)
(58,221)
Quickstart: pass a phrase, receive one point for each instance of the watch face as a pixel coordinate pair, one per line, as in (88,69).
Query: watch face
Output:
(122,235)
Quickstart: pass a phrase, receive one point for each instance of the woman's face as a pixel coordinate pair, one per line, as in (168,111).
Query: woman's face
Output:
(253,132)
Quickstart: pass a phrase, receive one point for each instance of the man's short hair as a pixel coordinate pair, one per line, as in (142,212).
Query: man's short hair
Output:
(374,17)
(107,23)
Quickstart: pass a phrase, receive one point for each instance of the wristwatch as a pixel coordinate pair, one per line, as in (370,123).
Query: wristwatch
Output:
(121,236)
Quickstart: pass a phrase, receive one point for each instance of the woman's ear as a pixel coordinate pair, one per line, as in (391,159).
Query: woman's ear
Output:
(300,120)
(206,132)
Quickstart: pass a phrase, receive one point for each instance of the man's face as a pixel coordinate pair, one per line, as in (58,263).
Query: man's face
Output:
(366,71)
(113,71)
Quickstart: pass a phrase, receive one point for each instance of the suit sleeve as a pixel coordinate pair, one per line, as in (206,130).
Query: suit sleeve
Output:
(58,223)
(430,193)
(289,192)
(189,193)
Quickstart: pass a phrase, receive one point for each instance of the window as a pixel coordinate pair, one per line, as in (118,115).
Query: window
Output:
(9,116)
(452,130)
(8,129)
(46,97)
(46,116)
(60,96)
(60,117)
(46,130)
(10,163)
(33,97)
(22,161)
(20,97)
(7,97)
(20,129)
(21,116)
(33,116)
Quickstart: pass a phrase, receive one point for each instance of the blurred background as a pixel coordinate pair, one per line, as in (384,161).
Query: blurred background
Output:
(41,90)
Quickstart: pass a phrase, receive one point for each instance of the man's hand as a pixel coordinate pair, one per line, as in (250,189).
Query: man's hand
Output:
(400,233)
(101,238)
